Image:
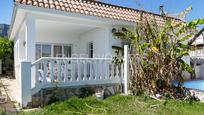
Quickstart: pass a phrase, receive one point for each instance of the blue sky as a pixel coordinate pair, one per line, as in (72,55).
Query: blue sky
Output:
(170,6)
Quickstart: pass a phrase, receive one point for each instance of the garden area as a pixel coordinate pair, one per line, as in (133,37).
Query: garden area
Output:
(121,105)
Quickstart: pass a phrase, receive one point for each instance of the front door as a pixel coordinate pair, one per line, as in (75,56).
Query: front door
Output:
(90,55)
(90,49)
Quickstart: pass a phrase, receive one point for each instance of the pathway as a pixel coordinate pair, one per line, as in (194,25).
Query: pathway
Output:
(11,87)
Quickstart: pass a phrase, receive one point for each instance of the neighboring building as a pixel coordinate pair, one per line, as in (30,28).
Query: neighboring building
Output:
(46,33)
(197,55)
(4,28)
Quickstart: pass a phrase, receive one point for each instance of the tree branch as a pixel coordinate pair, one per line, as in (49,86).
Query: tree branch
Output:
(196,36)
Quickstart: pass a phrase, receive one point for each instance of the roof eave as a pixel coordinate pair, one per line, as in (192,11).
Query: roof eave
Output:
(13,20)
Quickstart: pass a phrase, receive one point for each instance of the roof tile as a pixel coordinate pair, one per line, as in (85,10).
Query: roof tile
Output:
(95,8)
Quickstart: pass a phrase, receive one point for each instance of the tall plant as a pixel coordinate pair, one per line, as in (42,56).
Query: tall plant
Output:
(157,52)
(6,47)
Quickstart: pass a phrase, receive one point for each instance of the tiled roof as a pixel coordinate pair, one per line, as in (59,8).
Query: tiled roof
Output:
(96,8)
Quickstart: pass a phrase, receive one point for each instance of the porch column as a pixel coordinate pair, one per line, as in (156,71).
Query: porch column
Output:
(25,83)
(26,72)
(30,36)
(126,69)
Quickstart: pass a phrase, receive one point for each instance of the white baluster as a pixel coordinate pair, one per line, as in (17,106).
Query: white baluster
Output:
(90,70)
(85,70)
(73,70)
(44,71)
(79,69)
(51,70)
(102,69)
(116,71)
(59,78)
(96,70)
(106,70)
(36,74)
(66,71)
(112,71)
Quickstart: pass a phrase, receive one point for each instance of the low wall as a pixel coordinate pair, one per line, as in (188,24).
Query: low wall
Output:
(50,95)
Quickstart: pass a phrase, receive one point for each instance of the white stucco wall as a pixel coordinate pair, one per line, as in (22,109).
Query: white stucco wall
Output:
(59,38)
(100,42)
(103,41)
(21,45)
(199,71)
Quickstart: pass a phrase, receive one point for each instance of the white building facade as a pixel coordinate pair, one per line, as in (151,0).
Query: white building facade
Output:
(68,41)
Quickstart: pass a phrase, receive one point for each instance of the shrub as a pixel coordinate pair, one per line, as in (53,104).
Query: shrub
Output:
(157,52)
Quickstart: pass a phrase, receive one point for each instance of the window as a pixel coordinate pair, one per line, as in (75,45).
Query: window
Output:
(67,51)
(46,50)
(62,51)
(43,51)
(58,51)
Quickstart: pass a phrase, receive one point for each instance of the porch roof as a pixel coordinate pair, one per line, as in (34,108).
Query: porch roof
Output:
(98,9)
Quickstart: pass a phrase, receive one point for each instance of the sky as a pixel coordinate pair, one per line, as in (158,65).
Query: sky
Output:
(170,6)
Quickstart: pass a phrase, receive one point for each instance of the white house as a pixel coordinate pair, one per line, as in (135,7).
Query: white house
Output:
(197,57)
(68,41)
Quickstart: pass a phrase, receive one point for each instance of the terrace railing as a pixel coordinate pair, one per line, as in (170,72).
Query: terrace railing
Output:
(197,53)
(48,72)
(64,72)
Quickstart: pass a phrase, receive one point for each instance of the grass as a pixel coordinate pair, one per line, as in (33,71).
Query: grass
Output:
(2,112)
(120,105)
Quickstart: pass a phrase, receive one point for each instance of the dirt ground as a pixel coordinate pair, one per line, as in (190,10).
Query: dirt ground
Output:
(8,107)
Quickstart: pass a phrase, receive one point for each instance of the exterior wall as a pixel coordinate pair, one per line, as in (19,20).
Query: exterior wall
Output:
(56,38)
(22,48)
(103,41)
(99,39)
(199,40)
(198,53)
(199,71)
(19,50)
(27,33)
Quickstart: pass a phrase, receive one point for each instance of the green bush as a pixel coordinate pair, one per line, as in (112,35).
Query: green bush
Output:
(6,47)
(157,51)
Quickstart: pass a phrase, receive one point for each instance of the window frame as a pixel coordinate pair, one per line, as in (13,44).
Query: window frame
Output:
(52,48)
